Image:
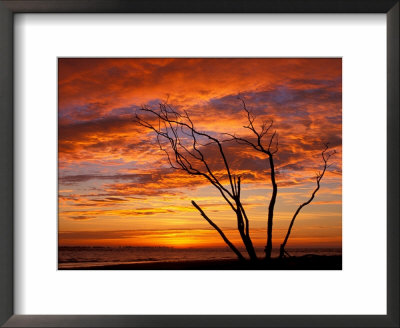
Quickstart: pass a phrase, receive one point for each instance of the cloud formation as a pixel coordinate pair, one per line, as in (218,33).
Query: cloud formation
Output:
(112,167)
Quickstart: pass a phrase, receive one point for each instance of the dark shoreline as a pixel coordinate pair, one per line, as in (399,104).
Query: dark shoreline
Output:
(306,262)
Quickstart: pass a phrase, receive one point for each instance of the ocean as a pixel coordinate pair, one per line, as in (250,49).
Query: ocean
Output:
(82,256)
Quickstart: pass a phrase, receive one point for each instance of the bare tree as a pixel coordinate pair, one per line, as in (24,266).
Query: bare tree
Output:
(263,143)
(186,152)
(325,157)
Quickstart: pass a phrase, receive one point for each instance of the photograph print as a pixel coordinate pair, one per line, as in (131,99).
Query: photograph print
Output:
(200,163)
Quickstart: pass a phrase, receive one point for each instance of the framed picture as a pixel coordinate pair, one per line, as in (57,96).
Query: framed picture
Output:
(165,166)
(174,159)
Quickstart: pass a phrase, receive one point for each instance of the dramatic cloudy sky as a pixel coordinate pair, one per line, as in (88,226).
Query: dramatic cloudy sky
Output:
(116,186)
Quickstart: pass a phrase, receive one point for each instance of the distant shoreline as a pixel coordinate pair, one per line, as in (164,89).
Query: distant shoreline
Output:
(306,262)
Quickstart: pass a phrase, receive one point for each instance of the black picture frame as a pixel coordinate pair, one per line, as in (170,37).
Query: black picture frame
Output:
(10,7)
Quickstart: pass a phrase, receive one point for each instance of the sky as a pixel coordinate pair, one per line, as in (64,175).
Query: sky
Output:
(116,187)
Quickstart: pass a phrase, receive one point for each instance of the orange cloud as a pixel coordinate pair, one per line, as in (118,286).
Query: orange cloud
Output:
(112,167)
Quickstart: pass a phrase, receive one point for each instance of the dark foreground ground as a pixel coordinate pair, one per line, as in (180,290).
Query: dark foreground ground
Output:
(307,262)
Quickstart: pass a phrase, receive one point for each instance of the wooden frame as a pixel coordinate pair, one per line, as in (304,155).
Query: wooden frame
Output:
(7,10)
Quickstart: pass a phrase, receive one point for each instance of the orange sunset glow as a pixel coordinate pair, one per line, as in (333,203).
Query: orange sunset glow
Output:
(117,187)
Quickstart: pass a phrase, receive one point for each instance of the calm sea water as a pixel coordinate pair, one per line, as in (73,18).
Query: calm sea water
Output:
(77,257)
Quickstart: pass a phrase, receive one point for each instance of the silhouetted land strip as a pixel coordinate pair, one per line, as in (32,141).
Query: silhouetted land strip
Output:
(306,262)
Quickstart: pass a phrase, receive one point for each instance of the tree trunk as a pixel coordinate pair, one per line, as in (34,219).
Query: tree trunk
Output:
(268,247)
(246,239)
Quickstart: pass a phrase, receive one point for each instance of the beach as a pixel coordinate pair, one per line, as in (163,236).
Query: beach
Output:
(306,262)
(167,258)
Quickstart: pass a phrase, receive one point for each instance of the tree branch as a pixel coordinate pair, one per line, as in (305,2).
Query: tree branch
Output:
(232,247)
(325,157)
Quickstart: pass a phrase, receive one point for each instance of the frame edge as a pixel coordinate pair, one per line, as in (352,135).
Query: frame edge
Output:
(6,165)
(6,205)
(393,167)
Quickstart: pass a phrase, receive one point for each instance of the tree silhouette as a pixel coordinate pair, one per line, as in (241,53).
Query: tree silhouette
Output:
(186,152)
(325,157)
(185,148)
(265,147)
